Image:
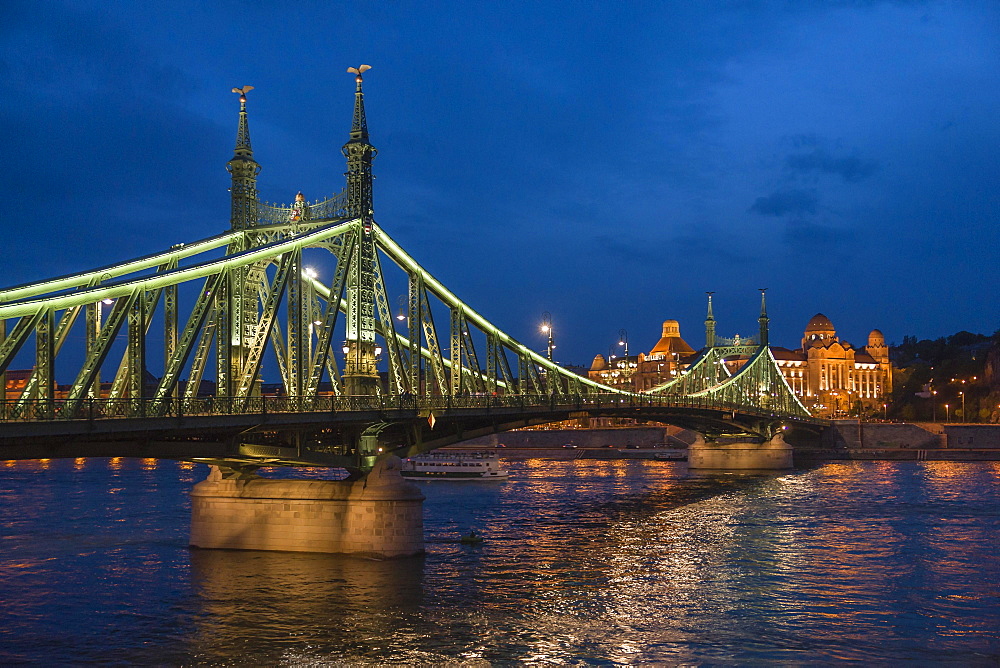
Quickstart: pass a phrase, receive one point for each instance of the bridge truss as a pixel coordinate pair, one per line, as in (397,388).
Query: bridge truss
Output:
(305,291)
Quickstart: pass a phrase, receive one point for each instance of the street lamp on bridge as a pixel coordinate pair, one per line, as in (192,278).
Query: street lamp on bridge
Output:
(546,329)
(623,340)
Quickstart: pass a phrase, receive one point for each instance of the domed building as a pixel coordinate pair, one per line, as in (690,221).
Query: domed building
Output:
(828,375)
(831,376)
(645,371)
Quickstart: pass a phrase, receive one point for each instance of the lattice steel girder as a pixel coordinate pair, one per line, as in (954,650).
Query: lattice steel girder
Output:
(66,321)
(200,359)
(22,330)
(334,297)
(296,326)
(424,352)
(403,259)
(98,352)
(413,324)
(45,357)
(104,274)
(175,276)
(137,318)
(492,350)
(170,327)
(255,353)
(3,370)
(224,334)
(431,337)
(397,374)
(172,371)
(759,383)
(471,359)
(455,350)
(121,381)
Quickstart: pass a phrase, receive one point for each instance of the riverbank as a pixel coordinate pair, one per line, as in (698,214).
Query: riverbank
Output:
(843,440)
(917,441)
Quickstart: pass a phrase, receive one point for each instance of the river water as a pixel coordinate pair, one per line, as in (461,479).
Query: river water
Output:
(585,562)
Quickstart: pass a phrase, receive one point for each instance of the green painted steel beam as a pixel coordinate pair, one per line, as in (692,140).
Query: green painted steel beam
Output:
(176,253)
(173,277)
(404,260)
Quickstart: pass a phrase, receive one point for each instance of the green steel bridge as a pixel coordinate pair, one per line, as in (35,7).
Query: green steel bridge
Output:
(224,305)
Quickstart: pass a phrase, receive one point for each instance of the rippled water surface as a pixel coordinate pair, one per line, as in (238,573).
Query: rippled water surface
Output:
(585,562)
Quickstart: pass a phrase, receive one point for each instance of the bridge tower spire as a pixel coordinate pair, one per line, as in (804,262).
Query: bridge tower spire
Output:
(361,366)
(763,319)
(710,324)
(360,154)
(244,170)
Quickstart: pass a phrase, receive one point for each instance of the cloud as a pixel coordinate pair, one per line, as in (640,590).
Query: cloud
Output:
(807,235)
(786,201)
(852,169)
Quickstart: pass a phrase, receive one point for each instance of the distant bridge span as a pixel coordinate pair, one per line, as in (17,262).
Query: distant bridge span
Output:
(220,307)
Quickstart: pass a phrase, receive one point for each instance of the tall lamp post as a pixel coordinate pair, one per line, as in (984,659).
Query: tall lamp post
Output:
(623,341)
(947,413)
(547,330)
(401,314)
(964,418)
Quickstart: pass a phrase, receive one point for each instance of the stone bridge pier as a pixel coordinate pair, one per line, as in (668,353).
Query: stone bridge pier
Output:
(379,515)
(772,455)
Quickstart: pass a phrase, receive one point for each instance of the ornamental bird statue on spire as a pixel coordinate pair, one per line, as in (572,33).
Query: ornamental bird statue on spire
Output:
(359,71)
(243,92)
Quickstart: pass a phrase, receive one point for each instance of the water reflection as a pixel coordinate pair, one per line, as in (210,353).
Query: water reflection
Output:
(626,562)
(329,603)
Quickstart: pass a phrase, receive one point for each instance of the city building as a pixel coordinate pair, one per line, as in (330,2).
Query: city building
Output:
(831,377)
(643,372)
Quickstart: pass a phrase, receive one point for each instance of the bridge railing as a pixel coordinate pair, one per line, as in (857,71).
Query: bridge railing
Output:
(105,409)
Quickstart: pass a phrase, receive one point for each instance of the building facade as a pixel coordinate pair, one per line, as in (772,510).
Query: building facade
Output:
(833,378)
(645,371)
(830,377)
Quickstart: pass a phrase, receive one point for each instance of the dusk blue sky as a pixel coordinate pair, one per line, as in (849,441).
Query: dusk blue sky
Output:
(605,162)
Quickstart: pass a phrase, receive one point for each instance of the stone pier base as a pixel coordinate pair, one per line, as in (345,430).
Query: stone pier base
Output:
(379,516)
(773,455)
